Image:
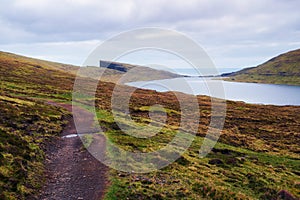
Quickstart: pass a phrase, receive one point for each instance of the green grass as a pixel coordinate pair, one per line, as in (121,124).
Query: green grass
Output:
(271,79)
(22,141)
(87,140)
(241,173)
(283,69)
(256,157)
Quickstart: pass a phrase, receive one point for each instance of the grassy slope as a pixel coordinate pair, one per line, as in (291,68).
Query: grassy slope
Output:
(25,128)
(26,124)
(283,69)
(142,74)
(261,143)
(263,158)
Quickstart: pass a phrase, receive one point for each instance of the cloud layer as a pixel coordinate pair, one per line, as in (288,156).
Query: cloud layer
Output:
(235,33)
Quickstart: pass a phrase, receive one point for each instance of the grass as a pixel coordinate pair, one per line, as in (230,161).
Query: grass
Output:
(228,172)
(270,79)
(26,126)
(256,157)
(27,122)
(194,178)
(283,69)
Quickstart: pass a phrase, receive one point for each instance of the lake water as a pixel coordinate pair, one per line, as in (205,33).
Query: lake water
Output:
(247,92)
(201,72)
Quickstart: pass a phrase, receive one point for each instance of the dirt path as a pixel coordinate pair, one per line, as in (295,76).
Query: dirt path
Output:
(72,172)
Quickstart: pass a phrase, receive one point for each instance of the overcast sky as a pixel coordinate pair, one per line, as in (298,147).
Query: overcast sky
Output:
(235,33)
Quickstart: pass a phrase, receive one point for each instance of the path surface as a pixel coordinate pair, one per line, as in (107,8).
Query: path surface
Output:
(71,171)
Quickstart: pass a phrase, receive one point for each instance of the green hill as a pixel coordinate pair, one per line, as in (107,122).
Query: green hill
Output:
(283,69)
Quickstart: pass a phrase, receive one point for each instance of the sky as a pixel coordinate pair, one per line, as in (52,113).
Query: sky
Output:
(234,33)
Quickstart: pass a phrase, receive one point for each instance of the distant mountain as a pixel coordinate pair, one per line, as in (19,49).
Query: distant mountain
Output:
(134,72)
(283,69)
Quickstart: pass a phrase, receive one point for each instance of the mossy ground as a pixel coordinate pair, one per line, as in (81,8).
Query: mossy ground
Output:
(256,157)
(27,122)
(228,172)
(26,126)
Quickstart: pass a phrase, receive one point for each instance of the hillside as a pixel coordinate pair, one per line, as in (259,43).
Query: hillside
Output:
(283,69)
(257,156)
(141,73)
(134,72)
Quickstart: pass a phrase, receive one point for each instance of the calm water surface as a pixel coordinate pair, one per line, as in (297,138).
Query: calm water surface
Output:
(247,92)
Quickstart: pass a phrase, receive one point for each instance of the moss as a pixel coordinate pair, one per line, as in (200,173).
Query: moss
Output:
(22,141)
(87,140)
(258,147)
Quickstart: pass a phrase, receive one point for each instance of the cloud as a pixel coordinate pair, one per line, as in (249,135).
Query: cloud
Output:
(215,24)
(52,20)
(57,19)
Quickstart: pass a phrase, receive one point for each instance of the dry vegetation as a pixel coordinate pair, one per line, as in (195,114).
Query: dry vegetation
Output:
(257,156)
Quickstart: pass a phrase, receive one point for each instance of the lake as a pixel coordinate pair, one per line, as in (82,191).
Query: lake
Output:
(248,92)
